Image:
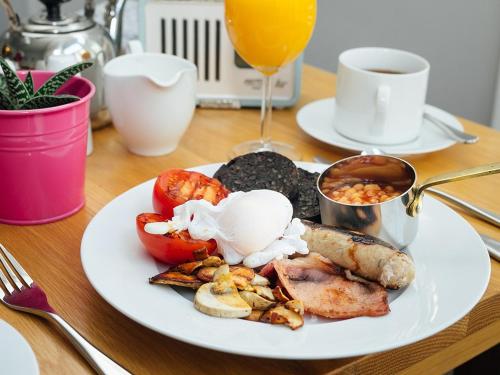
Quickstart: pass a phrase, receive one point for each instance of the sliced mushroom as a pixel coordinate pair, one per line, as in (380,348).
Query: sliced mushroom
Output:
(224,287)
(271,317)
(296,306)
(226,305)
(223,282)
(206,273)
(220,297)
(212,261)
(188,268)
(255,315)
(221,272)
(200,254)
(247,287)
(281,315)
(243,271)
(242,276)
(280,294)
(176,278)
(255,301)
(241,282)
(264,291)
(259,280)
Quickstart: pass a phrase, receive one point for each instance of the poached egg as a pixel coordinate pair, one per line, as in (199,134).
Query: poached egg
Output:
(252,227)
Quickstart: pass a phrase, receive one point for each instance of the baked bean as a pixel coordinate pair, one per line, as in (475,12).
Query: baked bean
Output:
(389,189)
(372,187)
(359,193)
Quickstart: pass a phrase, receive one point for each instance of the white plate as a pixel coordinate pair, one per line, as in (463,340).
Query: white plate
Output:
(316,119)
(16,356)
(448,253)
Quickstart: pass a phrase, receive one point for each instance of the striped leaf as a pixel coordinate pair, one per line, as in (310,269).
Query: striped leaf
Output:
(28,83)
(57,80)
(18,93)
(47,101)
(5,102)
(3,84)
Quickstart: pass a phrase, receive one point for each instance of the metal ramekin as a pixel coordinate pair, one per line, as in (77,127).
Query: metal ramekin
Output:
(395,220)
(387,220)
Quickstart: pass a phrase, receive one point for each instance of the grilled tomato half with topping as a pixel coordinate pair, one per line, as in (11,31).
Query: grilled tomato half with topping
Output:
(172,248)
(177,186)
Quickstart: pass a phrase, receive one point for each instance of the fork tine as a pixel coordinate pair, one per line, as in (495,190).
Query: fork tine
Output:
(6,283)
(11,273)
(20,270)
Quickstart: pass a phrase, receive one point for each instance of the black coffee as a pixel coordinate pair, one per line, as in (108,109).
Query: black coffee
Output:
(385,71)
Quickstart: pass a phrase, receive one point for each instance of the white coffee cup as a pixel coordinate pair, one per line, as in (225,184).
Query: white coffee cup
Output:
(151,98)
(380,95)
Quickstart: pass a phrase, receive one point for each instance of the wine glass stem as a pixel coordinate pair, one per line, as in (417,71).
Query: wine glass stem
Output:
(266,113)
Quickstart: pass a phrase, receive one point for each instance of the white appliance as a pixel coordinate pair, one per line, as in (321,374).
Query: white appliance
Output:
(195,30)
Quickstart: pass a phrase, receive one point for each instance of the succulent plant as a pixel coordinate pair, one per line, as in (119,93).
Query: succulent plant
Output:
(18,95)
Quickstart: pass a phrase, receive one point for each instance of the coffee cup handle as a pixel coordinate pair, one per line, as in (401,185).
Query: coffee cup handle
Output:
(381,108)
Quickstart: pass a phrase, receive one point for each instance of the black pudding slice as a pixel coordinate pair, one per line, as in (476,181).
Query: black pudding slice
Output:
(260,170)
(306,205)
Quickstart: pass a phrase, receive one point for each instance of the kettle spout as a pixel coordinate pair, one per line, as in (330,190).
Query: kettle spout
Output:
(113,21)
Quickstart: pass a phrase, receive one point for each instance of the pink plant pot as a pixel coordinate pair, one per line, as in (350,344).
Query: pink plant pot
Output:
(42,156)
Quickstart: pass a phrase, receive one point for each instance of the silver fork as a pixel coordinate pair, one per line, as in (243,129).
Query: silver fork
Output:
(23,294)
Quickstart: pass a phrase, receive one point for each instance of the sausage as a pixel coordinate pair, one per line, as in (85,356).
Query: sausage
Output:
(364,255)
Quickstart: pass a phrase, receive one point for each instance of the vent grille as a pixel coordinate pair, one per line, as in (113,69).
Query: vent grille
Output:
(194,40)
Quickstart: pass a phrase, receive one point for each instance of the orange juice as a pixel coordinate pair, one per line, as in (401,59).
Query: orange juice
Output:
(268,34)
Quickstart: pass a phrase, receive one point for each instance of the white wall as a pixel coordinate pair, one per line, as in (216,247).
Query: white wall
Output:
(460,38)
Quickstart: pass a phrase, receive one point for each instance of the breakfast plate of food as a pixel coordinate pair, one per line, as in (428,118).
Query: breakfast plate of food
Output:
(234,257)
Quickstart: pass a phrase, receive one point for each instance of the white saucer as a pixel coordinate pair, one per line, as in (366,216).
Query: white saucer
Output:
(16,356)
(316,119)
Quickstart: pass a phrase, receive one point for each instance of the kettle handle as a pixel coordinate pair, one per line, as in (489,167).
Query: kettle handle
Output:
(89,9)
(113,19)
(14,23)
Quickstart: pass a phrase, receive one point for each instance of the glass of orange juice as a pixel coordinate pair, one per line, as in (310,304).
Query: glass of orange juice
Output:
(269,34)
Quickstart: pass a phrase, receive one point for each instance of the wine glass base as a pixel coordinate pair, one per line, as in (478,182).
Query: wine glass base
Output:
(257,146)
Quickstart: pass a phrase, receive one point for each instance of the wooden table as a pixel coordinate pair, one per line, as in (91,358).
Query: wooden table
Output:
(51,254)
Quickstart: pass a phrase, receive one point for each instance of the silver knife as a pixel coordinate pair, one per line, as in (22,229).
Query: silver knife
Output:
(486,215)
(492,245)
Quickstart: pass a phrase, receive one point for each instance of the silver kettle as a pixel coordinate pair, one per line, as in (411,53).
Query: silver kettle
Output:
(53,41)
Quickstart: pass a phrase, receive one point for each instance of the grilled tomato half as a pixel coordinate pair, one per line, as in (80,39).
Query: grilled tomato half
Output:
(172,248)
(177,186)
